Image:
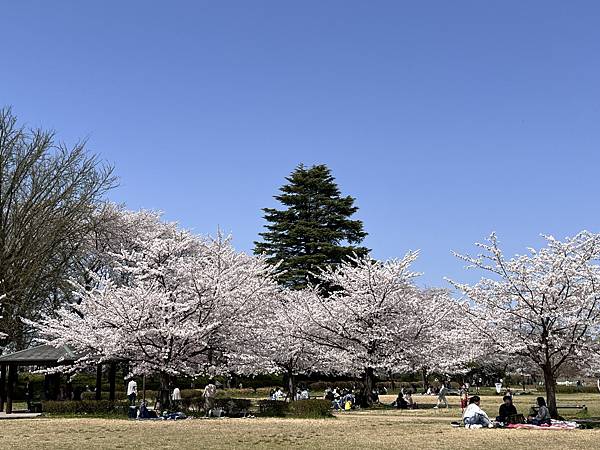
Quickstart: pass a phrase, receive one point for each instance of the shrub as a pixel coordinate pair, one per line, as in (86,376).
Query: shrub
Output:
(119,395)
(273,408)
(588,389)
(192,403)
(191,393)
(310,409)
(244,393)
(232,407)
(100,407)
(306,409)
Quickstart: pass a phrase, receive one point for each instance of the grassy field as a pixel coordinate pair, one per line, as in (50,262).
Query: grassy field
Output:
(420,429)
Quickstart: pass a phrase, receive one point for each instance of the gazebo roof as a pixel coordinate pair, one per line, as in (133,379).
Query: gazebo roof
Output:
(40,355)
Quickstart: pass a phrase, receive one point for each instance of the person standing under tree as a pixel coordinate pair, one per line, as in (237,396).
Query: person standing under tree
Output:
(176,397)
(442,397)
(28,393)
(210,393)
(464,398)
(132,391)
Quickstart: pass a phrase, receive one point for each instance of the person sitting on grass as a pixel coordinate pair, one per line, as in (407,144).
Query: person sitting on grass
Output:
(543,414)
(400,402)
(143,412)
(375,395)
(278,394)
(329,395)
(409,400)
(305,394)
(507,410)
(474,416)
(348,401)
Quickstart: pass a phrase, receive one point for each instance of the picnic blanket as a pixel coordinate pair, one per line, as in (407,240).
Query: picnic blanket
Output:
(556,425)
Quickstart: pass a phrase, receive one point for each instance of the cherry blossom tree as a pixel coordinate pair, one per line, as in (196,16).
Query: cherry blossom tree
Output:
(168,304)
(375,319)
(270,342)
(543,306)
(445,343)
(112,229)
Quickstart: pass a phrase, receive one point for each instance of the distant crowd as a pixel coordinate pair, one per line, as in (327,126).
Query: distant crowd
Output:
(346,399)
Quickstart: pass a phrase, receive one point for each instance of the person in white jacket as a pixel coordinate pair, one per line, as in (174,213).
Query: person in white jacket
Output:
(474,416)
(131,391)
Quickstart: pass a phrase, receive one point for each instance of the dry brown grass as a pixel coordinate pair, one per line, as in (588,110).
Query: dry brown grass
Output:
(425,429)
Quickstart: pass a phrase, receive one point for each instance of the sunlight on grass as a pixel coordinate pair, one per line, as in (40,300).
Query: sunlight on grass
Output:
(418,429)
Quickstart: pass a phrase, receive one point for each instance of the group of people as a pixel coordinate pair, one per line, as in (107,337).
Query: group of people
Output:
(277,394)
(301,394)
(405,400)
(341,399)
(475,417)
(209,394)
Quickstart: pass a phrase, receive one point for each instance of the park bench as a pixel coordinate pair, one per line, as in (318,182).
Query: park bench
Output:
(579,407)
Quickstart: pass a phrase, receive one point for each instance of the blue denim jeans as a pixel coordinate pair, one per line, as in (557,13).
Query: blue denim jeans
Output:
(538,422)
(477,419)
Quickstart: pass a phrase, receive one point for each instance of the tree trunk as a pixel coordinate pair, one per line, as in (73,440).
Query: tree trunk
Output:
(112,380)
(367,399)
(292,388)
(144,387)
(18,332)
(424,377)
(550,385)
(164,397)
(98,395)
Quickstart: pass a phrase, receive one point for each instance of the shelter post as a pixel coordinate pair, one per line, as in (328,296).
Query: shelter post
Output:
(10,391)
(2,386)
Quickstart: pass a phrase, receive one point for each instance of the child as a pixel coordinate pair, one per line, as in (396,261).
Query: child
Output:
(464,399)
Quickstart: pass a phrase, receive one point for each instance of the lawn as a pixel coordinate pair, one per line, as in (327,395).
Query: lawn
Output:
(358,429)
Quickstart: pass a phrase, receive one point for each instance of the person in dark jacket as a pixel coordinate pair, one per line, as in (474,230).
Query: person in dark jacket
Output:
(507,410)
(400,402)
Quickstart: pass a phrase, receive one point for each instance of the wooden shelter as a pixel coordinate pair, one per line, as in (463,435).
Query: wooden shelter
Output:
(45,356)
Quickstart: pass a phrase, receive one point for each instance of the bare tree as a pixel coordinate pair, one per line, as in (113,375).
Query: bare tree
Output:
(48,195)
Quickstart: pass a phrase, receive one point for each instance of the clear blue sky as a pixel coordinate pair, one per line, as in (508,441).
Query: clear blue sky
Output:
(445,119)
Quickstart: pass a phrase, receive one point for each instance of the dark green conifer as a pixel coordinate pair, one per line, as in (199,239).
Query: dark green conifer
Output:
(313,229)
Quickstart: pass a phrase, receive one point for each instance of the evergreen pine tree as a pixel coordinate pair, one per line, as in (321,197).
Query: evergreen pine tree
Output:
(313,229)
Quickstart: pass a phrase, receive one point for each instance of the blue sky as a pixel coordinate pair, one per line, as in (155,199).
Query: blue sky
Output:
(446,120)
